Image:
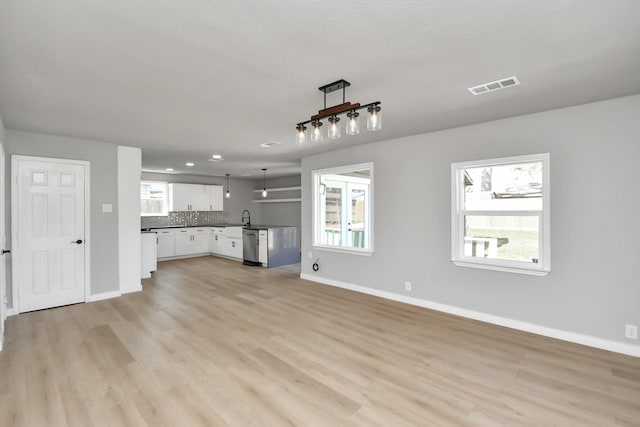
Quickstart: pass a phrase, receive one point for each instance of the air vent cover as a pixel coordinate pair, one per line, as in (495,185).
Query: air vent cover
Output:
(493,86)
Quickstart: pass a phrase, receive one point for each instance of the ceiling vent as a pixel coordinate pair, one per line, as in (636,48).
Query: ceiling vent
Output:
(493,86)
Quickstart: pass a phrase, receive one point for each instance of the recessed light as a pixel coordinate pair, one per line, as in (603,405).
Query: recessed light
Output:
(169,169)
(246,174)
(216,157)
(269,144)
(188,164)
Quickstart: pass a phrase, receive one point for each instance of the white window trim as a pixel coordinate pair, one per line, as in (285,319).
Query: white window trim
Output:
(543,267)
(315,174)
(166,201)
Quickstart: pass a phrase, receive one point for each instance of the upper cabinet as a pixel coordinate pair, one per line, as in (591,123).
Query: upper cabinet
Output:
(216,197)
(195,197)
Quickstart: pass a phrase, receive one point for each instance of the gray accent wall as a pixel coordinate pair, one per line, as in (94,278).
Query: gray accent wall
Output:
(282,213)
(593,288)
(104,226)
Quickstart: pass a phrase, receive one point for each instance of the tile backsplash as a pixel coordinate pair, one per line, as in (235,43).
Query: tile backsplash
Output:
(185,218)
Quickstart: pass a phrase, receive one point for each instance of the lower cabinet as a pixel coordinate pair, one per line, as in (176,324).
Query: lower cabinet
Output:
(223,241)
(191,241)
(166,243)
(233,242)
(217,241)
(148,251)
(234,247)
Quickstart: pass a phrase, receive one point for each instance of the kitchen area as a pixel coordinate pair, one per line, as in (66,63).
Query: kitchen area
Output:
(182,220)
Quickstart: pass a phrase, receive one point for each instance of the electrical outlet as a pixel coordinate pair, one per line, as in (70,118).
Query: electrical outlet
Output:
(407,286)
(631,332)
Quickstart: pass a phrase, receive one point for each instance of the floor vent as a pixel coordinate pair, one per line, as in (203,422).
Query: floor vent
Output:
(493,86)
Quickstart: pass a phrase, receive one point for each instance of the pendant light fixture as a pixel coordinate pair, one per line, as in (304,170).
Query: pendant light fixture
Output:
(374,119)
(316,134)
(301,136)
(334,128)
(374,122)
(264,182)
(228,193)
(353,125)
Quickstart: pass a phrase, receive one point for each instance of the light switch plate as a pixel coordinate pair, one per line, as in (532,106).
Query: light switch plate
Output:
(107,207)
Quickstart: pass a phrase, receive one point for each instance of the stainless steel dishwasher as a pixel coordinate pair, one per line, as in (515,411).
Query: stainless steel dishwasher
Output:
(250,252)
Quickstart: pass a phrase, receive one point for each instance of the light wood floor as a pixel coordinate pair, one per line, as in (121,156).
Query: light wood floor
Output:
(210,342)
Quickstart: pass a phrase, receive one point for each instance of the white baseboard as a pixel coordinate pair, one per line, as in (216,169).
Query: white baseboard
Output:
(617,347)
(128,291)
(1,341)
(103,295)
(10,311)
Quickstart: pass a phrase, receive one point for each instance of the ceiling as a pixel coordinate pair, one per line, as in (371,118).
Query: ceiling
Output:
(188,79)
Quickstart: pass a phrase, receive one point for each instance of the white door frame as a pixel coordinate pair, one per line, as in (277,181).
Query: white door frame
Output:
(15,279)
(3,245)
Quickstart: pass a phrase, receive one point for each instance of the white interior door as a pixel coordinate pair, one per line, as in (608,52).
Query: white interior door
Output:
(50,226)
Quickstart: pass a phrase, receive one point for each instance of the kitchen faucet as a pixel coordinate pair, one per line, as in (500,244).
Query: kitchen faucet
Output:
(247,217)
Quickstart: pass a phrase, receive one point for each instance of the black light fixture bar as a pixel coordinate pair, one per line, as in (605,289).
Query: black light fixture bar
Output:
(338,109)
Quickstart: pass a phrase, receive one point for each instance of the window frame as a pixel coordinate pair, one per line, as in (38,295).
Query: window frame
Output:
(458,215)
(317,214)
(165,205)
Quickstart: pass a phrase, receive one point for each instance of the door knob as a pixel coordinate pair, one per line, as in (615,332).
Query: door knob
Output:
(79,241)
(6,251)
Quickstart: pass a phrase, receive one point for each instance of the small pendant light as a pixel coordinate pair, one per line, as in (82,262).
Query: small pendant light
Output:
(301,137)
(316,135)
(374,121)
(228,193)
(353,125)
(334,128)
(264,182)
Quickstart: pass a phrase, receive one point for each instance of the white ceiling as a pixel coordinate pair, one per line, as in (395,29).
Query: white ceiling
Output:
(190,78)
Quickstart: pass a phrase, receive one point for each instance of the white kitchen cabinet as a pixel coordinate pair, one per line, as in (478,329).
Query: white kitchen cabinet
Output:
(216,197)
(233,242)
(183,242)
(166,243)
(263,247)
(148,251)
(188,197)
(200,240)
(195,197)
(191,241)
(217,240)
(234,247)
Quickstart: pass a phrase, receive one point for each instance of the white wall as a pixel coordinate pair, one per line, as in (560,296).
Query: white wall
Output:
(593,288)
(104,189)
(129,245)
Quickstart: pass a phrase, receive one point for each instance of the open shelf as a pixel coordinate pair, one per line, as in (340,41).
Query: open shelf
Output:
(277,200)
(279,189)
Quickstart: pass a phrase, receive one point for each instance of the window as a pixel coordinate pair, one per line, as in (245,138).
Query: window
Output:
(154,200)
(500,214)
(343,206)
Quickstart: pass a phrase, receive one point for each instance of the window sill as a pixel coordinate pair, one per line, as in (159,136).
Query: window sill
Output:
(361,252)
(483,266)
